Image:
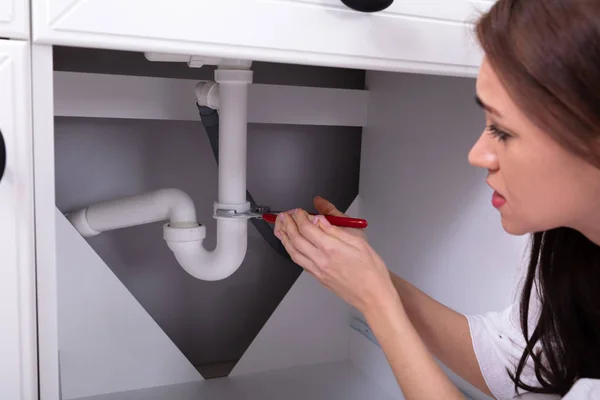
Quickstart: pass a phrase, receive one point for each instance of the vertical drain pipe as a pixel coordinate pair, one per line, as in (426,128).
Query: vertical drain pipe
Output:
(207,109)
(233,137)
(232,233)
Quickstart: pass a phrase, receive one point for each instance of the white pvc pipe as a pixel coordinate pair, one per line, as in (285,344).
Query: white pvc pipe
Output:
(207,94)
(232,234)
(183,234)
(164,204)
(233,117)
(214,265)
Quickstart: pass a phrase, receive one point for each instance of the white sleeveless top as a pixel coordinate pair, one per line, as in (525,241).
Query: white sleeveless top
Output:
(498,342)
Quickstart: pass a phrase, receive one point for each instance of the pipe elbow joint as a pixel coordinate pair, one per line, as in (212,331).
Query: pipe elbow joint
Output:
(180,205)
(186,243)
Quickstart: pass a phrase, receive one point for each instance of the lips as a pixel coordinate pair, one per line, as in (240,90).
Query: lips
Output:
(498,200)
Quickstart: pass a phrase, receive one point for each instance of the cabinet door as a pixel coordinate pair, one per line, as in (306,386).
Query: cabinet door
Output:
(14,19)
(18,365)
(414,35)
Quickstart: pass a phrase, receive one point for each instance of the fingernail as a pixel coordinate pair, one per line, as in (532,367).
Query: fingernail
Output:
(278,234)
(294,211)
(281,216)
(314,219)
(324,220)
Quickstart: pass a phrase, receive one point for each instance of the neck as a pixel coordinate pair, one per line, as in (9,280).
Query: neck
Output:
(592,236)
(591,229)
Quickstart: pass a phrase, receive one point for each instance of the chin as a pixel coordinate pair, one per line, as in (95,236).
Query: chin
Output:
(515,228)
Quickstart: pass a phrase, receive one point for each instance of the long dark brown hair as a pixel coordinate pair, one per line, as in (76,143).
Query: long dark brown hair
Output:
(547,55)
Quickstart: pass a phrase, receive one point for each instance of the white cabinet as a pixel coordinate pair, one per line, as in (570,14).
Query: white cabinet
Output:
(416,133)
(96,337)
(14,19)
(432,36)
(17,291)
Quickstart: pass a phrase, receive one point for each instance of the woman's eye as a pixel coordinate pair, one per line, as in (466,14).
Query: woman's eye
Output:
(497,133)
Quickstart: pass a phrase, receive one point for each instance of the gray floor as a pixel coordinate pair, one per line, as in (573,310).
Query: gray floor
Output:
(331,381)
(216,370)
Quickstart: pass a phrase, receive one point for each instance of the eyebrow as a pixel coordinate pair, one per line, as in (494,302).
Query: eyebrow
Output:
(486,107)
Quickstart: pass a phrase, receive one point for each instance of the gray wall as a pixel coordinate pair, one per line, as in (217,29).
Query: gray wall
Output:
(430,212)
(98,160)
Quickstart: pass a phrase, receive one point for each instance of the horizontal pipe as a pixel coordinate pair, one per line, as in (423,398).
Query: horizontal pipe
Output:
(160,205)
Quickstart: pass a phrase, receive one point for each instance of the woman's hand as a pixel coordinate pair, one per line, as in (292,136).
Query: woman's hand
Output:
(324,207)
(341,259)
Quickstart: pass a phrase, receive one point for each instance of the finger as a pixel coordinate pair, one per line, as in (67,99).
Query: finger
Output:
(324,207)
(278,227)
(297,256)
(341,234)
(310,231)
(297,234)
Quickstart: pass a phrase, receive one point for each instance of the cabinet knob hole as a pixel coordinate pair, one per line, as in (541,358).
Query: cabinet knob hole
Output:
(368,5)
(2,156)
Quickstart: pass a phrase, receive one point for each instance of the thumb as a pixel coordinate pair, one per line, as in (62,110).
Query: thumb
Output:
(324,207)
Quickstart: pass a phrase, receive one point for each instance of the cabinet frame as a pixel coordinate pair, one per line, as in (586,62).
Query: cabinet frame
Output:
(401,41)
(18,344)
(14,19)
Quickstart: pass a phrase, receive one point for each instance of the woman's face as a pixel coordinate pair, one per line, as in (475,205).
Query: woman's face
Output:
(539,185)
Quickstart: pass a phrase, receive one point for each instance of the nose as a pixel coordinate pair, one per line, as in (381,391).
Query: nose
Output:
(483,154)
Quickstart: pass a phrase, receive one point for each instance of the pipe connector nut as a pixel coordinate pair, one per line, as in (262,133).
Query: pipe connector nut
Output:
(79,220)
(233,76)
(207,94)
(184,234)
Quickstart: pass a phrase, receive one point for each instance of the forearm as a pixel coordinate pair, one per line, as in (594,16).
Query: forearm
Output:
(444,331)
(416,371)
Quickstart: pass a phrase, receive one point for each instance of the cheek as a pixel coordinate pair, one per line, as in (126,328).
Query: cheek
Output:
(541,195)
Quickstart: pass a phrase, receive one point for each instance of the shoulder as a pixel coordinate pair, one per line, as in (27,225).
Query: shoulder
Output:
(499,343)
(584,389)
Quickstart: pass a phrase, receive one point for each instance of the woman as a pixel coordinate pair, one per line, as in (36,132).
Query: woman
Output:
(539,86)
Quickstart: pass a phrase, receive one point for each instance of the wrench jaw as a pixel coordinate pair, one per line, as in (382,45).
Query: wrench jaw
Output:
(256,212)
(261,210)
